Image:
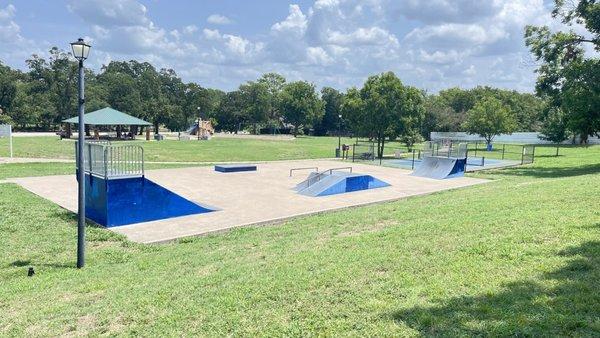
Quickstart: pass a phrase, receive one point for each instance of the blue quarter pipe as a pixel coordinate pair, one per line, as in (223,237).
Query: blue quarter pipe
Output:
(122,201)
(440,167)
(338,183)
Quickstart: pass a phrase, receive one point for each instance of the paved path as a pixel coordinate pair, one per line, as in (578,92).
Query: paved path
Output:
(33,160)
(246,198)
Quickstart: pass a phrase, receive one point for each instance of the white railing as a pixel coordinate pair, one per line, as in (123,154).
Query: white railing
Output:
(112,161)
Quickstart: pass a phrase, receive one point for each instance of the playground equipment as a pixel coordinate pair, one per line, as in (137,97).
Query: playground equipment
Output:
(335,181)
(203,129)
(118,193)
(230,168)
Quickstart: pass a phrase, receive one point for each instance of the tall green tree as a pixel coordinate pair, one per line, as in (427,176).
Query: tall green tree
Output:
(567,78)
(274,83)
(331,122)
(384,109)
(489,118)
(229,113)
(301,105)
(256,103)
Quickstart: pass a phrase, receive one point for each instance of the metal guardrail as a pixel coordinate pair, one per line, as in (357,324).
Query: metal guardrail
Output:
(112,161)
(306,168)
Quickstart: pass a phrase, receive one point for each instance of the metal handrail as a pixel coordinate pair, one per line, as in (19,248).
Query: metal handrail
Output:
(340,168)
(306,168)
(318,177)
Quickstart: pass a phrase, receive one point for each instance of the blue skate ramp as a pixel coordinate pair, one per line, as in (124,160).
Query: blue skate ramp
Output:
(123,201)
(338,183)
(440,167)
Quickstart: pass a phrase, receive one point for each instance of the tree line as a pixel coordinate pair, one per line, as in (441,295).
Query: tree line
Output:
(384,108)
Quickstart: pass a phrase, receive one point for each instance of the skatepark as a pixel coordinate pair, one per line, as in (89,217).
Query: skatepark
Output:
(265,196)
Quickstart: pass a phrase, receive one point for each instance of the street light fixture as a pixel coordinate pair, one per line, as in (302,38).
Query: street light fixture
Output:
(81,50)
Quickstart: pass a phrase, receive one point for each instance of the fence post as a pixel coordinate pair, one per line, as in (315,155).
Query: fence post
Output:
(413,161)
(533,154)
(476,144)
(557,146)
(90,157)
(503,148)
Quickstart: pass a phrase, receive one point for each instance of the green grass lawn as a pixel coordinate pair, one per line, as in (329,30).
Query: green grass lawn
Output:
(517,256)
(216,150)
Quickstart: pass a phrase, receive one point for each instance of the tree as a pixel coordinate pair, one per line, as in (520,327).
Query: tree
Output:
(554,128)
(8,87)
(567,78)
(274,83)
(332,100)
(229,112)
(256,102)
(301,105)
(489,118)
(384,109)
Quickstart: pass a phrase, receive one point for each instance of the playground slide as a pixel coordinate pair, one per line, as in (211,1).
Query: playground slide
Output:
(440,167)
(123,201)
(338,183)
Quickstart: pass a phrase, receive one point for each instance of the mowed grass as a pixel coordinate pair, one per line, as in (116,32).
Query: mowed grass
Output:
(517,256)
(218,149)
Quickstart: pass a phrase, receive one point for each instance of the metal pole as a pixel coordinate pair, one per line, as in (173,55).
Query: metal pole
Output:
(503,148)
(10,145)
(81,175)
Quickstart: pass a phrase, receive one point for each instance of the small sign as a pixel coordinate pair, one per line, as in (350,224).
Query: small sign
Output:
(6,131)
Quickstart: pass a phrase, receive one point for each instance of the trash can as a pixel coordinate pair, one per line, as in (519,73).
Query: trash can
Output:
(489,147)
(158,137)
(337,152)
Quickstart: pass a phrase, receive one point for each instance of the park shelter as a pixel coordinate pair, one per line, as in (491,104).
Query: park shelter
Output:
(108,117)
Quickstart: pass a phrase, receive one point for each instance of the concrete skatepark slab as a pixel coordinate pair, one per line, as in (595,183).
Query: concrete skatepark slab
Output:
(246,198)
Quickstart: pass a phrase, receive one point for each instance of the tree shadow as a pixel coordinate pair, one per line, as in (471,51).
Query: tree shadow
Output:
(552,172)
(569,304)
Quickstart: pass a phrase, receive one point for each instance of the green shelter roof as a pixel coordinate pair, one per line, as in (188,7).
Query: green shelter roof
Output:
(108,117)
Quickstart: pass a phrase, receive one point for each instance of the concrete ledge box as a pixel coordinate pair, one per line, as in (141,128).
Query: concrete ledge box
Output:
(231,168)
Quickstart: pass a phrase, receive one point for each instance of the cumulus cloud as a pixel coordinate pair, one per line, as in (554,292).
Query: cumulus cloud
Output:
(217,19)
(294,23)
(431,44)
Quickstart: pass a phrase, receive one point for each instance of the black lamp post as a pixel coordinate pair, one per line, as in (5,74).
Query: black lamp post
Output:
(81,51)
(340,132)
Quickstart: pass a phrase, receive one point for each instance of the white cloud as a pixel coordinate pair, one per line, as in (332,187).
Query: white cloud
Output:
(318,56)
(190,29)
(10,31)
(432,44)
(295,22)
(363,36)
(211,34)
(217,19)
(110,13)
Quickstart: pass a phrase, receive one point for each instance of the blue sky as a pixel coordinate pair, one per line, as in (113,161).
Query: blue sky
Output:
(431,44)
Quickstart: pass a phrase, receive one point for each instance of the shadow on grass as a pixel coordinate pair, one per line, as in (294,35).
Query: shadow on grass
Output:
(568,305)
(552,172)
